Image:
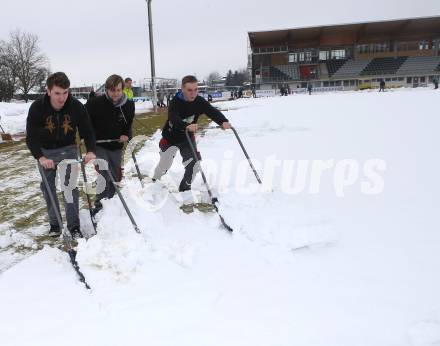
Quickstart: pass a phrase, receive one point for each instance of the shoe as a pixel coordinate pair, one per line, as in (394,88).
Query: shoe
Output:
(148,180)
(184,186)
(76,233)
(54,231)
(97,208)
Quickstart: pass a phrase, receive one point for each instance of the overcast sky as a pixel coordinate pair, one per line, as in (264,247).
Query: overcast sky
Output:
(91,39)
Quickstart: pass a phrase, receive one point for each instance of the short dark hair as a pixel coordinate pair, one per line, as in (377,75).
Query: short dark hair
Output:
(113,81)
(189,79)
(128,79)
(58,79)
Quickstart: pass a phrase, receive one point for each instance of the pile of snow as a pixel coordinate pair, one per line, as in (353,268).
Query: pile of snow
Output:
(143,106)
(13,116)
(317,258)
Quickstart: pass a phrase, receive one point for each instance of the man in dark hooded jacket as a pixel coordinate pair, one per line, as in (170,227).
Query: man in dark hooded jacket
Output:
(52,125)
(112,116)
(183,113)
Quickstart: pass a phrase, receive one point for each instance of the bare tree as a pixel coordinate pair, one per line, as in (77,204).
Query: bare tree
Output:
(8,81)
(27,63)
(213,76)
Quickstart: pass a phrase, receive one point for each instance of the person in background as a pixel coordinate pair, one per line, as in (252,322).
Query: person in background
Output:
(92,94)
(128,91)
(254,92)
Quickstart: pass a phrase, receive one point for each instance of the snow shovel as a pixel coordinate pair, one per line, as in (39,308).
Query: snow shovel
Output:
(5,136)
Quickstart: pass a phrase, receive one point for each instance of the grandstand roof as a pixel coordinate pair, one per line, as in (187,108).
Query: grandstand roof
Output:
(356,32)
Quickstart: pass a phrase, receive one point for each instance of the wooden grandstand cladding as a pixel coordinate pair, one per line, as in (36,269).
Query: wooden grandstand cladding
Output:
(346,34)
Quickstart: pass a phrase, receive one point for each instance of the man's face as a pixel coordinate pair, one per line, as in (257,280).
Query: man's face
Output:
(58,96)
(128,84)
(115,93)
(190,91)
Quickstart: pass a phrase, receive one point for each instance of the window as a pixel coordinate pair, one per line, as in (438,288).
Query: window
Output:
(363,48)
(308,56)
(293,57)
(380,47)
(324,55)
(301,56)
(338,54)
(424,45)
(409,80)
(422,79)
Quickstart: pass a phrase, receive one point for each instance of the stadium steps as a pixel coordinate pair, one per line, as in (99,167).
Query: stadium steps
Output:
(323,71)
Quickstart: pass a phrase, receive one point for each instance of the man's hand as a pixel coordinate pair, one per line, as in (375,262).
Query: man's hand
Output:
(226,125)
(89,157)
(192,128)
(46,163)
(123,139)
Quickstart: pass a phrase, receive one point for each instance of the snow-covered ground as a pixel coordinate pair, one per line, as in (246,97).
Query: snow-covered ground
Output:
(340,246)
(143,106)
(13,115)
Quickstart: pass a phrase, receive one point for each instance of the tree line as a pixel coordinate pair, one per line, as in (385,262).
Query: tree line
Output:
(23,67)
(233,78)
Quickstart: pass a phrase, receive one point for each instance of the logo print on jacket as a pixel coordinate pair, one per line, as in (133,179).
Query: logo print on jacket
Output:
(66,124)
(50,126)
(189,119)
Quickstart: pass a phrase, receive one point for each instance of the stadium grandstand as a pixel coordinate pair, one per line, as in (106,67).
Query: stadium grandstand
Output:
(403,53)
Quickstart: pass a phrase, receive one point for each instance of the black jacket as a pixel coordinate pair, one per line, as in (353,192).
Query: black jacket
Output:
(110,122)
(50,129)
(182,113)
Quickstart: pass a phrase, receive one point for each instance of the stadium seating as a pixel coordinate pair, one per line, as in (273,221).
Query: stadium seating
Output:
(351,69)
(334,65)
(277,75)
(283,73)
(290,70)
(383,66)
(419,65)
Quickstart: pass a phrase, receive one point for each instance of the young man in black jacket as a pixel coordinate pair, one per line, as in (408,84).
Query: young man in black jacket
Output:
(51,129)
(183,113)
(112,117)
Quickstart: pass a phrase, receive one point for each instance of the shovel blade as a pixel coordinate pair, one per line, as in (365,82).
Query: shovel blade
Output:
(6,137)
